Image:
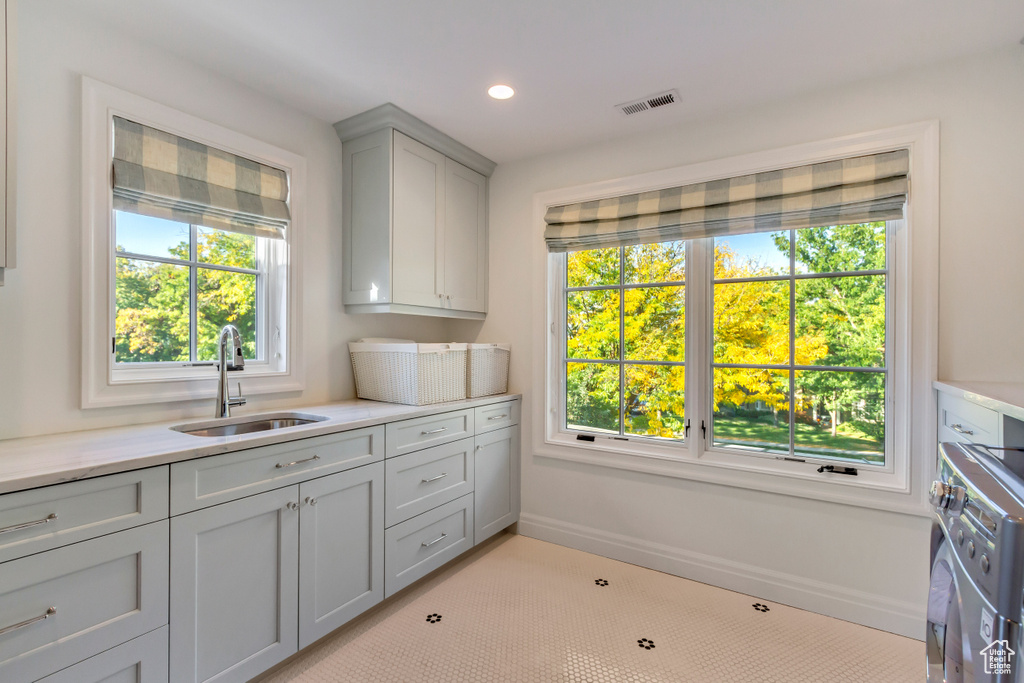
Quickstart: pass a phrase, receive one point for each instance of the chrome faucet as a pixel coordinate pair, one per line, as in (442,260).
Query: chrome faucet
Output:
(230,361)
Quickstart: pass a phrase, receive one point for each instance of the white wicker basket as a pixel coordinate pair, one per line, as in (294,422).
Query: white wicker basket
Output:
(400,371)
(488,369)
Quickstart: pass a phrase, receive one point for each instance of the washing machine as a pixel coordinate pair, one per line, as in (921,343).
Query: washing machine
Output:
(977,573)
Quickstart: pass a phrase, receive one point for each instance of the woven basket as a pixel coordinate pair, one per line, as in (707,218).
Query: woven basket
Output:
(406,372)
(488,369)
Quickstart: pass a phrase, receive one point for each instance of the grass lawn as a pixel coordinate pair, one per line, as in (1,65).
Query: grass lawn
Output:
(808,438)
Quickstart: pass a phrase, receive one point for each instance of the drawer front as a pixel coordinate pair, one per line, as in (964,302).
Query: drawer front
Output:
(217,479)
(104,591)
(433,430)
(963,421)
(497,416)
(420,481)
(420,545)
(46,518)
(142,660)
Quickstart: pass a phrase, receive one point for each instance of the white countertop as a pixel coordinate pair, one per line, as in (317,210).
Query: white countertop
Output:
(43,460)
(1004,397)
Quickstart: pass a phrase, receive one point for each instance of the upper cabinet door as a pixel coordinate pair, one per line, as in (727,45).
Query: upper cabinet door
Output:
(366,178)
(418,229)
(465,239)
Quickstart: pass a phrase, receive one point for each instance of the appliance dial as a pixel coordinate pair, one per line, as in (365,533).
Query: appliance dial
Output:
(947,498)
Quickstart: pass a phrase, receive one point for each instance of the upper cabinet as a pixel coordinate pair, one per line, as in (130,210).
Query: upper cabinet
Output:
(414,218)
(8,141)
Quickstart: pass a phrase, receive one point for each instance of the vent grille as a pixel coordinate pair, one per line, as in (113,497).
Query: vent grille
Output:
(660,100)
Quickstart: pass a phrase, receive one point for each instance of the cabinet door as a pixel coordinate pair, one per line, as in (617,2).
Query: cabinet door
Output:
(418,223)
(142,660)
(366,218)
(341,560)
(497,481)
(234,587)
(465,239)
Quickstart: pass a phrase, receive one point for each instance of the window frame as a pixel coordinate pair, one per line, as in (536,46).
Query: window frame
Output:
(107,383)
(902,483)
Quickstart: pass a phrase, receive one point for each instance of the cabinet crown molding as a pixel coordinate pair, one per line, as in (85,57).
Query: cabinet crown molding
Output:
(389,116)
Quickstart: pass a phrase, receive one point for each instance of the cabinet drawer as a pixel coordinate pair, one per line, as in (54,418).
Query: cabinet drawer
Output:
(497,416)
(412,435)
(217,479)
(142,660)
(104,591)
(46,518)
(963,421)
(420,481)
(420,545)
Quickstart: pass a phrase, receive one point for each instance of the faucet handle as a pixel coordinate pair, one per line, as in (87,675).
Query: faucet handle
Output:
(236,400)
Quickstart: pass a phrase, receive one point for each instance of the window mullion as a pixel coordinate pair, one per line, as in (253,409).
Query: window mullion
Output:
(792,342)
(622,341)
(193,294)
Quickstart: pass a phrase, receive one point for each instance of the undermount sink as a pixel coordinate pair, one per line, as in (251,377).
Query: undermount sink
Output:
(233,426)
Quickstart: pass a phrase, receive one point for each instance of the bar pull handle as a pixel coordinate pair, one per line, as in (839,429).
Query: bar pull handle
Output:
(436,540)
(499,417)
(434,431)
(28,622)
(959,428)
(18,527)
(281,466)
(440,476)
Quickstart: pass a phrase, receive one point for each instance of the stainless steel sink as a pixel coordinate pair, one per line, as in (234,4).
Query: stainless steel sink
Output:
(246,425)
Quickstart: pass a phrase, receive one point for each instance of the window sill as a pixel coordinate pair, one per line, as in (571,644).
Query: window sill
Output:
(800,480)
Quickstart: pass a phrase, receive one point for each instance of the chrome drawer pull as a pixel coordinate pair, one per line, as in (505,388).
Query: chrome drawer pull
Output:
(18,527)
(440,476)
(434,431)
(28,622)
(498,417)
(296,462)
(436,540)
(960,429)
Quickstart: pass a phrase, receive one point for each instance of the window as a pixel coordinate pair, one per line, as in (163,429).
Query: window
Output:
(798,342)
(187,226)
(176,285)
(796,365)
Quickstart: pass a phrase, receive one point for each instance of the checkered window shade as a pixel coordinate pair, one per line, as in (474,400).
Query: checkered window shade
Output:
(853,190)
(162,175)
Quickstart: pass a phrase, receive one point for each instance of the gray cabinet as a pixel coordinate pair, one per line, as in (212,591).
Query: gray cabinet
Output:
(341,549)
(497,481)
(8,140)
(234,602)
(414,219)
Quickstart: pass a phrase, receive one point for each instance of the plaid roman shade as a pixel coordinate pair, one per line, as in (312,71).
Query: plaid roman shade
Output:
(853,190)
(165,176)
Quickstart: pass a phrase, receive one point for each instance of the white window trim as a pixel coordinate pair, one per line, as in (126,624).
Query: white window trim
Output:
(102,383)
(900,486)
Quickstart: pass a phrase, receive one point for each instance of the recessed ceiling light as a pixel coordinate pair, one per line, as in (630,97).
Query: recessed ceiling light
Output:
(500,92)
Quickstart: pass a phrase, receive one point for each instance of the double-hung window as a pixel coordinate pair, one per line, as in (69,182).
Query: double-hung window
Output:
(755,320)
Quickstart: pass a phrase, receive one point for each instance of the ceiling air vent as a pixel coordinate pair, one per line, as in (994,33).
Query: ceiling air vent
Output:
(660,100)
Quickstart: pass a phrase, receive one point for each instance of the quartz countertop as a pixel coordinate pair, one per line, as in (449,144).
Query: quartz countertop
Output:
(52,459)
(1003,397)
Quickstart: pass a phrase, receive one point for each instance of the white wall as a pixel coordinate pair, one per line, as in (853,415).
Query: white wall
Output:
(856,563)
(40,303)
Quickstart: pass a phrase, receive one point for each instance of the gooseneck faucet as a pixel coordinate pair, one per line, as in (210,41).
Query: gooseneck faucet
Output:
(230,361)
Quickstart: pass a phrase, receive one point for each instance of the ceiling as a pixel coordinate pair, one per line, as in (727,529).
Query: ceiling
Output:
(570,61)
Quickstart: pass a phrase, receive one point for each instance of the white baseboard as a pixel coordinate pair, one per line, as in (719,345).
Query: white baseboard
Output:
(896,616)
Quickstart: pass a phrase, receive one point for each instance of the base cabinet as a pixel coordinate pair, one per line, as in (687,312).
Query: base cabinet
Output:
(497,481)
(142,660)
(234,571)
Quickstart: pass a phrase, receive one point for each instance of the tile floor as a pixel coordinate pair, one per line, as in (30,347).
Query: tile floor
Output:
(524,610)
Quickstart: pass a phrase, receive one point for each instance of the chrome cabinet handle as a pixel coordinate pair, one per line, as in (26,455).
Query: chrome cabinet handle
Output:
(310,500)
(434,431)
(436,540)
(292,505)
(440,476)
(18,527)
(14,627)
(296,462)
(959,428)
(498,417)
